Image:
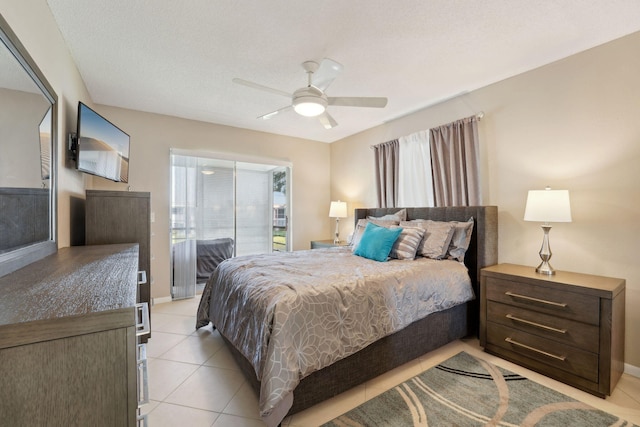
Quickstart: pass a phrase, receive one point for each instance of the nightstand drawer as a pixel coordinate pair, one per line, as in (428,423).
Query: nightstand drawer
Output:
(565,331)
(569,359)
(549,300)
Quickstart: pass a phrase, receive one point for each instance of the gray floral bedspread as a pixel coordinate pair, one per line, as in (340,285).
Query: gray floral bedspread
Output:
(293,313)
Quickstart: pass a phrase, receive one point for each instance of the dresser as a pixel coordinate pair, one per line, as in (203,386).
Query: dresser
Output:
(68,350)
(122,217)
(568,326)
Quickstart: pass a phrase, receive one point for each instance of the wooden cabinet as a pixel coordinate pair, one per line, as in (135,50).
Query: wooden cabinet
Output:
(68,339)
(122,217)
(316,244)
(568,326)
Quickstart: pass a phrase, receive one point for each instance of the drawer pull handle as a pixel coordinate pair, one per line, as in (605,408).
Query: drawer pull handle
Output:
(537,325)
(143,325)
(141,420)
(510,341)
(142,277)
(557,304)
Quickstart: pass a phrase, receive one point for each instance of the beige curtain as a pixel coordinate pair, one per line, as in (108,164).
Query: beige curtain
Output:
(455,163)
(386,169)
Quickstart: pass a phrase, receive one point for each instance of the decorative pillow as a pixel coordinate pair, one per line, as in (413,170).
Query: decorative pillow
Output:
(400,215)
(407,243)
(461,239)
(376,242)
(437,237)
(362,224)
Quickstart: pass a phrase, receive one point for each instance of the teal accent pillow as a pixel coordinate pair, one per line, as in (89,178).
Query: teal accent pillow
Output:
(376,242)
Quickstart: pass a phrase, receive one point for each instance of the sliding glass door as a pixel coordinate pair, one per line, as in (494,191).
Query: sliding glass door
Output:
(246,202)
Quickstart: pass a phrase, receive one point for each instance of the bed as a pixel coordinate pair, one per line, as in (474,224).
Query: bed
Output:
(395,342)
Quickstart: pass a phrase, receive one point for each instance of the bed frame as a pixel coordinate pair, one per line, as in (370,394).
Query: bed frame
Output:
(416,339)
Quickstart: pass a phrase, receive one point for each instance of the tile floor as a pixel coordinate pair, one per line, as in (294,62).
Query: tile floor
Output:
(193,381)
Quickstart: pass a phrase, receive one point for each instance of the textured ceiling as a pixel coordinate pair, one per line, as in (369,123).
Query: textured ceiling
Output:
(178,57)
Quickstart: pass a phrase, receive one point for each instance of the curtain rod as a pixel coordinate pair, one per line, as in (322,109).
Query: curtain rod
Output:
(478,117)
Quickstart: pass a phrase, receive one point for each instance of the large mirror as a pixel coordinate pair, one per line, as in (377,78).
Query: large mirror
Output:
(27,157)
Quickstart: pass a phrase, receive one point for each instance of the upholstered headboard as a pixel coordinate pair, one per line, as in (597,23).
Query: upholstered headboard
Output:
(483,249)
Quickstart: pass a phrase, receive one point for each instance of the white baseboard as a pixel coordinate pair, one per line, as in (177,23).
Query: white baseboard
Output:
(632,370)
(161,300)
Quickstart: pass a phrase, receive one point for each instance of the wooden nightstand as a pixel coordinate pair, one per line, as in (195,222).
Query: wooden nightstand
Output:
(317,244)
(568,326)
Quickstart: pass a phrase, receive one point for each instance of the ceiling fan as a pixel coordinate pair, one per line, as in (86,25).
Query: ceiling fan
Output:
(311,101)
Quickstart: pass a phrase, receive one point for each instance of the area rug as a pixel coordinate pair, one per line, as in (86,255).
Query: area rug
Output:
(467,391)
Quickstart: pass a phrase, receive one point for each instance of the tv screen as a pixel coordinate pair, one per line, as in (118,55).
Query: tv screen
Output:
(103,148)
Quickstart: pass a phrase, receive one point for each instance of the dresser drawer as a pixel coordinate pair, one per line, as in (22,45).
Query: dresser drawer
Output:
(556,302)
(565,331)
(569,359)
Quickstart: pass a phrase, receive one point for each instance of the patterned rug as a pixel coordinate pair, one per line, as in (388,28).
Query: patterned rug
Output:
(465,391)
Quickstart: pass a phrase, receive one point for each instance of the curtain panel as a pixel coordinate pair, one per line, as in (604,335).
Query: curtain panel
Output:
(386,169)
(184,175)
(415,179)
(455,163)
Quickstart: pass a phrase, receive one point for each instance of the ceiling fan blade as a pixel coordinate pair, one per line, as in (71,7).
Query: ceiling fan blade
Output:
(275,113)
(327,72)
(327,121)
(346,101)
(261,87)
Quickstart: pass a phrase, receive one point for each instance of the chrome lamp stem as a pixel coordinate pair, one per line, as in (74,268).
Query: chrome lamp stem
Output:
(337,238)
(545,253)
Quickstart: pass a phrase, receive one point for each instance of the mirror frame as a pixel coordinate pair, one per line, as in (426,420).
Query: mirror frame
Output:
(13,260)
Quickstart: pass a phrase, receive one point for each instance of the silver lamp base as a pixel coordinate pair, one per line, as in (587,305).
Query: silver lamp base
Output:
(336,240)
(545,268)
(545,254)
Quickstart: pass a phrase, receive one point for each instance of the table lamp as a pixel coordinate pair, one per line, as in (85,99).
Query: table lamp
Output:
(338,210)
(547,206)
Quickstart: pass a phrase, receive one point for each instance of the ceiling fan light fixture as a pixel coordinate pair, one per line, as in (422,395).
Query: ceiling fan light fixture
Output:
(308,107)
(309,101)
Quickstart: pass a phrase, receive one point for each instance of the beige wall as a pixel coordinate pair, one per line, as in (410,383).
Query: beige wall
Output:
(572,125)
(153,135)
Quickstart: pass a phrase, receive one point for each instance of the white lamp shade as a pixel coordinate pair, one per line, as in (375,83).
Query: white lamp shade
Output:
(338,209)
(548,206)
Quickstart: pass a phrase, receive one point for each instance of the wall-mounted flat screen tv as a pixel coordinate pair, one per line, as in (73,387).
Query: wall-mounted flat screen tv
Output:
(103,148)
